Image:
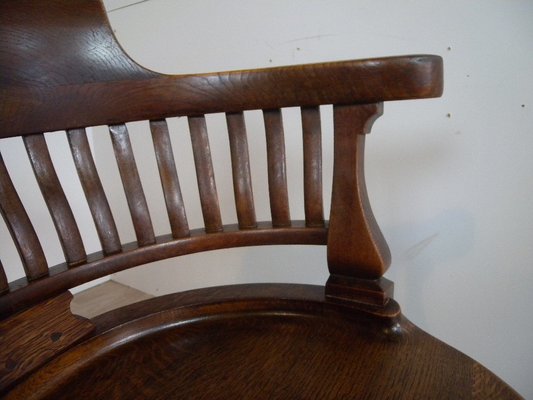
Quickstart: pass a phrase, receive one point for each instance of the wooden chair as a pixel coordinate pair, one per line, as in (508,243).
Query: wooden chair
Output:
(62,69)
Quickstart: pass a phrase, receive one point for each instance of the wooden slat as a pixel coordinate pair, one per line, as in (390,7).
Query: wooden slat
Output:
(106,100)
(169,179)
(132,185)
(94,192)
(277,175)
(240,164)
(312,143)
(20,227)
(56,201)
(356,247)
(4,284)
(205,174)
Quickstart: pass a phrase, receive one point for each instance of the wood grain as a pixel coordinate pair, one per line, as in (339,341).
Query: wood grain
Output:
(127,167)
(169,179)
(312,143)
(20,227)
(263,342)
(109,88)
(56,201)
(277,174)
(205,174)
(30,339)
(94,192)
(240,168)
(356,247)
(61,68)
(62,278)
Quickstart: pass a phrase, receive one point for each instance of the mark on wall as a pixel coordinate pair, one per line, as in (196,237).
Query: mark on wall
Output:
(417,248)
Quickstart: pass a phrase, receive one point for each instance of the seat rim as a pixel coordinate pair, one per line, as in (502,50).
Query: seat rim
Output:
(128,325)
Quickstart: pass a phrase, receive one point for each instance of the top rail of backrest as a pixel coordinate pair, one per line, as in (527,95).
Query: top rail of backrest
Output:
(62,68)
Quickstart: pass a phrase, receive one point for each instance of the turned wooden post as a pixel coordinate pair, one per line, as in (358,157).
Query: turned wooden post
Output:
(357,252)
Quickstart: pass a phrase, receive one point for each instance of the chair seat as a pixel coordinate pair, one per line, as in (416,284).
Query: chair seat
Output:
(262,341)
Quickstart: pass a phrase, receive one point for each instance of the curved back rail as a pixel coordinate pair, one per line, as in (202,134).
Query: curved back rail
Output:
(62,69)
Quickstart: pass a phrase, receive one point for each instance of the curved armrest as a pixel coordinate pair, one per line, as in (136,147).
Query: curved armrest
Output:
(33,107)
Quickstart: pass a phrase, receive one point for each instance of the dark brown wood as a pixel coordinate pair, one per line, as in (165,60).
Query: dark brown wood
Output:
(29,339)
(312,143)
(20,228)
(345,290)
(4,284)
(205,174)
(356,247)
(25,294)
(169,179)
(56,201)
(168,96)
(127,167)
(260,342)
(277,174)
(240,167)
(94,192)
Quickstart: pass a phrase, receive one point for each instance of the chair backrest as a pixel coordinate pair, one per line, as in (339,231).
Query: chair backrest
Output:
(61,69)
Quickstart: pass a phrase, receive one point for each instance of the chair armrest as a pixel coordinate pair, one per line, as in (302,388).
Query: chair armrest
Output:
(36,107)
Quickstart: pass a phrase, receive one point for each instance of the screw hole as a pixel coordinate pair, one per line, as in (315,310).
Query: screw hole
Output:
(55,336)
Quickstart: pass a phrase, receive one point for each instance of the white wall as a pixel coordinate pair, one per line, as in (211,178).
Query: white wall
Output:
(451,179)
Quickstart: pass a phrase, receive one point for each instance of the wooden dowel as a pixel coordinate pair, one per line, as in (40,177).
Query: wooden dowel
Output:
(277,176)
(132,185)
(205,174)
(20,228)
(94,192)
(169,179)
(312,144)
(55,199)
(240,165)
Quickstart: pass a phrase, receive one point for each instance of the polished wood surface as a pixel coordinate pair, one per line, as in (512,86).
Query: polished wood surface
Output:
(100,85)
(277,170)
(29,339)
(94,192)
(258,342)
(205,174)
(350,208)
(140,215)
(240,168)
(56,201)
(62,69)
(169,179)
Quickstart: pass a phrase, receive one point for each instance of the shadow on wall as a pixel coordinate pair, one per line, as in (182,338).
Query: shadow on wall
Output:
(423,250)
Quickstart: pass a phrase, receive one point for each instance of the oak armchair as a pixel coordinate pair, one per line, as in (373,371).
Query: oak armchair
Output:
(61,69)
